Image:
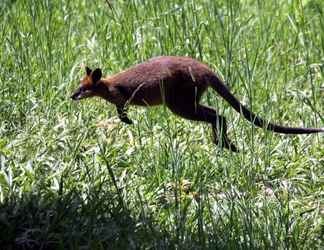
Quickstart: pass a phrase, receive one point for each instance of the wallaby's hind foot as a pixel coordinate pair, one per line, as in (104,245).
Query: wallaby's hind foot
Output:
(219,129)
(229,145)
(224,142)
(122,114)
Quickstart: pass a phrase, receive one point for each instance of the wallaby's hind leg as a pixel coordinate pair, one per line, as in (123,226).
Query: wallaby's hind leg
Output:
(202,113)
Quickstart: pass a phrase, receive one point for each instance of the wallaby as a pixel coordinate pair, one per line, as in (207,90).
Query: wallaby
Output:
(177,82)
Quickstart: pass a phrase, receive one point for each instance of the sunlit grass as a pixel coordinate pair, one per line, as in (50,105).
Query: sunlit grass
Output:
(73,176)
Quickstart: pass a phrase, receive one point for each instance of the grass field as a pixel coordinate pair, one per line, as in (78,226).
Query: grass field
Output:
(73,177)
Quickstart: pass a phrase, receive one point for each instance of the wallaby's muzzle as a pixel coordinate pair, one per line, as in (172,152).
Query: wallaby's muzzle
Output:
(81,93)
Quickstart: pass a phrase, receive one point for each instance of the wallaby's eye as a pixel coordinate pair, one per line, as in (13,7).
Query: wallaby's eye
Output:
(85,88)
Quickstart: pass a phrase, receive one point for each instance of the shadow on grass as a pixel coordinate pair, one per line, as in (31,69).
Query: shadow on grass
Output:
(69,222)
(103,221)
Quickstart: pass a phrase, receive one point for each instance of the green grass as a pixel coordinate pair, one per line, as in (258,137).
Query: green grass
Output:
(68,183)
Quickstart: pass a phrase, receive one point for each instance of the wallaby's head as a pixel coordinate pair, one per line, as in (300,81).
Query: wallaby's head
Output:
(90,85)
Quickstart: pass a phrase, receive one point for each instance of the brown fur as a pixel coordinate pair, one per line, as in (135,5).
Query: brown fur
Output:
(177,82)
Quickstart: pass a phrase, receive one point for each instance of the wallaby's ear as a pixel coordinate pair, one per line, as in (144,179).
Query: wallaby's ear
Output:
(96,75)
(88,70)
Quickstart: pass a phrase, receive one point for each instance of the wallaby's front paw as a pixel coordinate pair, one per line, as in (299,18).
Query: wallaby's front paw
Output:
(126,120)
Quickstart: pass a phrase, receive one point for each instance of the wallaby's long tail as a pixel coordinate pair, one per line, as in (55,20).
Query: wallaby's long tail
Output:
(223,91)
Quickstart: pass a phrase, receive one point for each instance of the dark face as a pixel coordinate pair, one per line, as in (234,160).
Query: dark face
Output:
(88,85)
